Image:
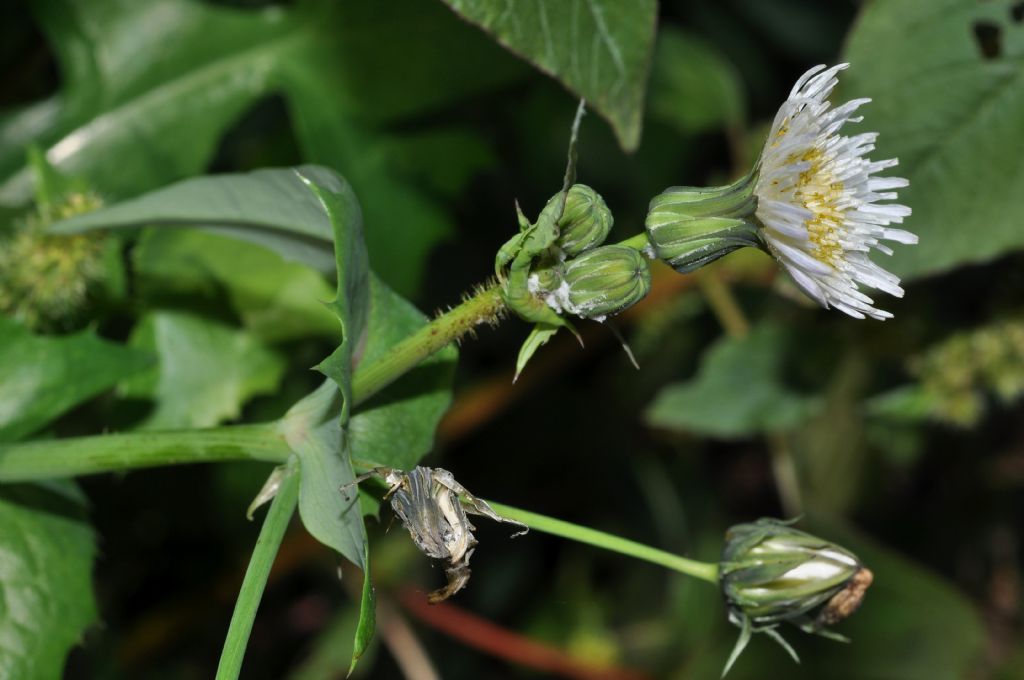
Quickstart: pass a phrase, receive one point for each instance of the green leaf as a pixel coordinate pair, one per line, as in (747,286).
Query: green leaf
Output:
(130,116)
(275,300)
(599,49)
(396,427)
(314,433)
(297,212)
(42,377)
(207,371)
(952,116)
(538,337)
(693,87)
(367,617)
(352,301)
(737,392)
(46,557)
(282,209)
(403,223)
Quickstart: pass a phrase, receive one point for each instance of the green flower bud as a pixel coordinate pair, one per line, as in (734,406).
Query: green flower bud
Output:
(584,223)
(772,573)
(605,281)
(688,227)
(545,275)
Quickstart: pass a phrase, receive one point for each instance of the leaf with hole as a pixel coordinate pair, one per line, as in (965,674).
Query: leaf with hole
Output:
(946,81)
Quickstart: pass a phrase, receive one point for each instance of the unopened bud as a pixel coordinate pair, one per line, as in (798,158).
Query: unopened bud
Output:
(689,227)
(771,573)
(606,280)
(584,223)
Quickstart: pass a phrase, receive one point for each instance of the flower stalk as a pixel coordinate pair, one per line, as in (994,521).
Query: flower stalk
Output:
(704,571)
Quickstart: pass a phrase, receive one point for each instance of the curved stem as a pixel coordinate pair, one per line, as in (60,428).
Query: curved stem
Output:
(109,452)
(706,571)
(255,581)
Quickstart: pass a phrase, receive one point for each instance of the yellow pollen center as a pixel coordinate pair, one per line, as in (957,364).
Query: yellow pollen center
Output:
(819,192)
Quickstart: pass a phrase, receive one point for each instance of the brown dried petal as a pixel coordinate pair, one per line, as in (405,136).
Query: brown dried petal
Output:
(846,601)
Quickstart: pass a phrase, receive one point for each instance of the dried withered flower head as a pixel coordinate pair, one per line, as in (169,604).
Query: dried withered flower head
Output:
(433,507)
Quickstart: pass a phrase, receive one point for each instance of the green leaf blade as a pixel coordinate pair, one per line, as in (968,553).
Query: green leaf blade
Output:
(737,392)
(367,624)
(173,103)
(46,555)
(275,300)
(599,49)
(332,516)
(207,370)
(952,117)
(279,209)
(42,377)
(396,427)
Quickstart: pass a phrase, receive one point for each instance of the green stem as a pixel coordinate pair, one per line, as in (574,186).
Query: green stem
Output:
(638,242)
(723,303)
(109,452)
(484,307)
(706,571)
(255,581)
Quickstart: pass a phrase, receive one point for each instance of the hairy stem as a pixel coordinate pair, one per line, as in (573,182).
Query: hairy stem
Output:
(263,442)
(255,581)
(486,306)
(706,571)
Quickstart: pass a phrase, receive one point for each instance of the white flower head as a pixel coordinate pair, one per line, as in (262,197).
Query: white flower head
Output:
(821,207)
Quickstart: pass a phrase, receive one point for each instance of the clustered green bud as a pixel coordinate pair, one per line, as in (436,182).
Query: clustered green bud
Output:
(688,227)
(46,279)
(585,222)
(606,280)
(567,268)
(957,374)
(771,573)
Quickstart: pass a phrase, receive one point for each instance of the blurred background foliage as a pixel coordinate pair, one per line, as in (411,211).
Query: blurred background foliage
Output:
(903,440)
